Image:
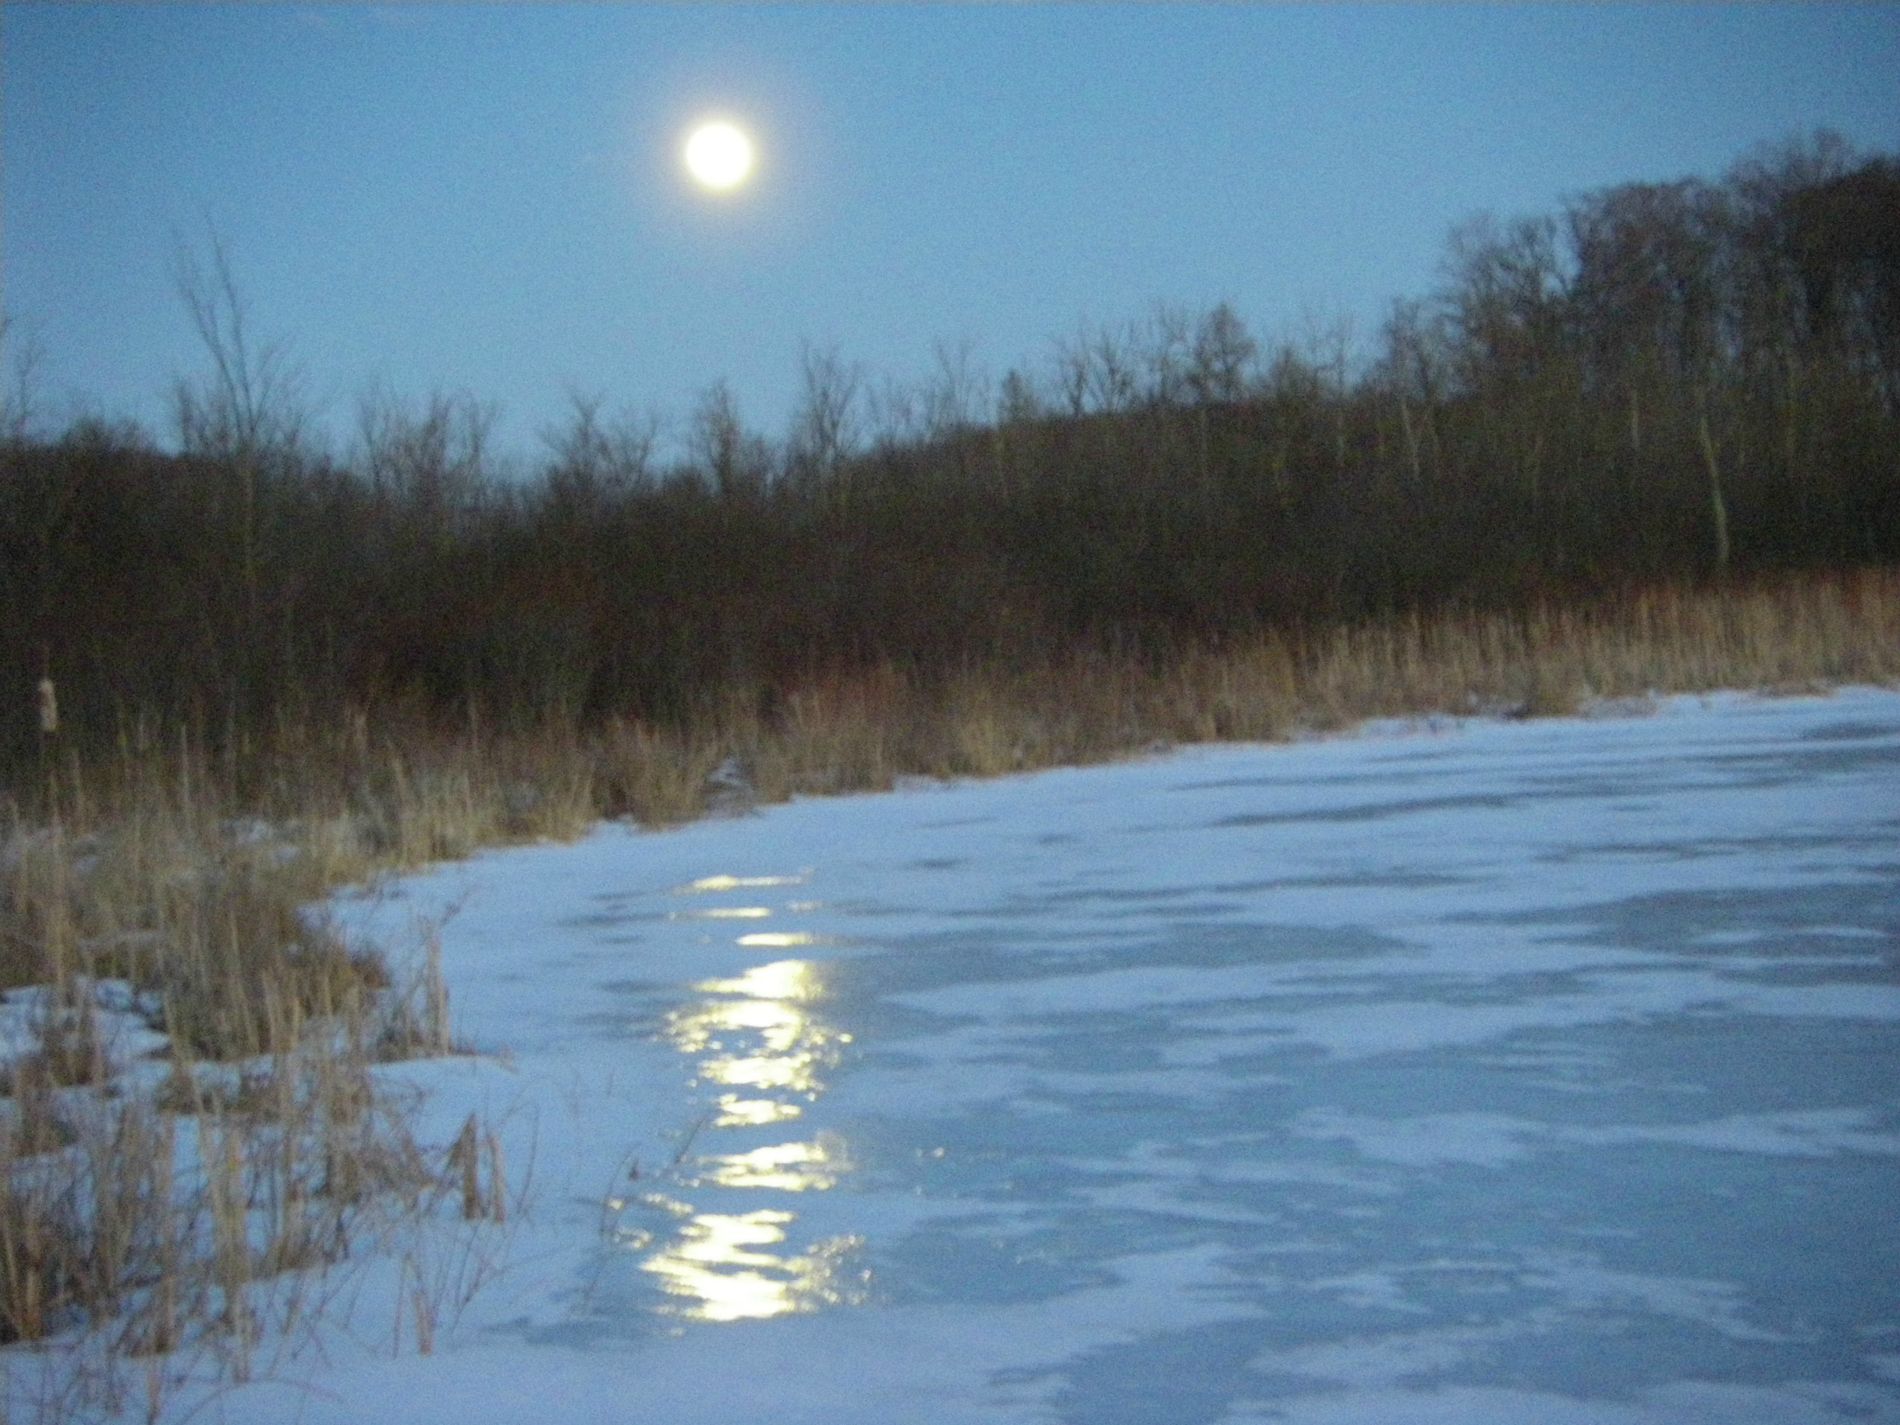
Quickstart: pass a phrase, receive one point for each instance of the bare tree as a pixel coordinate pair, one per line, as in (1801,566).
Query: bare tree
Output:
(958,389)
(249,407)
(432,461)
(1210,361)
(737,462)
(247,414)
(1111,371)
(825,429)
(1072,372)
(1169,356)
(1096,370)
(895,412)
(1017,402)
(1412,374)
(1222,356)
(1507,297)
(597,458)
(19,401)
(1328,344)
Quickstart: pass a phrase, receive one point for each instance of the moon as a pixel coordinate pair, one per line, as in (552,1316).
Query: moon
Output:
(719,155)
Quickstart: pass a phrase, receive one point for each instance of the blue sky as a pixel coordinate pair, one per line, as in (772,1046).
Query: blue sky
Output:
(487,197)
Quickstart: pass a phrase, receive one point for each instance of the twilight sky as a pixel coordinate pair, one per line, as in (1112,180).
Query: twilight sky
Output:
(488,197)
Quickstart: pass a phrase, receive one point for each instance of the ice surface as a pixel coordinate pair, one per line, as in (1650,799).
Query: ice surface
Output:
(1466,1072)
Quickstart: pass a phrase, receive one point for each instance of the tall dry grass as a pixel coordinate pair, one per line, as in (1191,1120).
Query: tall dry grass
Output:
(173,1188)
(860,732)
(180,880)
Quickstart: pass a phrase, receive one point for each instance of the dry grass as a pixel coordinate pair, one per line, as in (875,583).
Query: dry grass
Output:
(860,731)
(184,878)
(148,1204)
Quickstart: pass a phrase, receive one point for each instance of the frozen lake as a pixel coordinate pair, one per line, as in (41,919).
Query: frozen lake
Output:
(1543,1071)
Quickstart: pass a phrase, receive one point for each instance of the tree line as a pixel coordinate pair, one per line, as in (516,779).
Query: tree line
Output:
(1655,382)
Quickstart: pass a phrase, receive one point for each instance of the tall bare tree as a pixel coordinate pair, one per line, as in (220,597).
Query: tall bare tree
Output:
(825,426)
(432,461)
(1223,354)
(247,413)
(597,459)
(19,398)
(737,463)
(249,407)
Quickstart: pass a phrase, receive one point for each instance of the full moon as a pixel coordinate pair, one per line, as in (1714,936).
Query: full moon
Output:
(719,156)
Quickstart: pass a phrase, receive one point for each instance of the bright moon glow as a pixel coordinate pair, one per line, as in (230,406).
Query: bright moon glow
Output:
(719,156)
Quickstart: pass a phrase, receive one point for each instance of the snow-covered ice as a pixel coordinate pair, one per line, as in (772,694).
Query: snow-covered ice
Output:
(1474,1071)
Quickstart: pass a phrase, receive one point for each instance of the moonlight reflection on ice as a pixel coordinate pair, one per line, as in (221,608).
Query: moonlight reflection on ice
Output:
(758,1039)
(706,884)
(723,1267)
(1472,1071)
